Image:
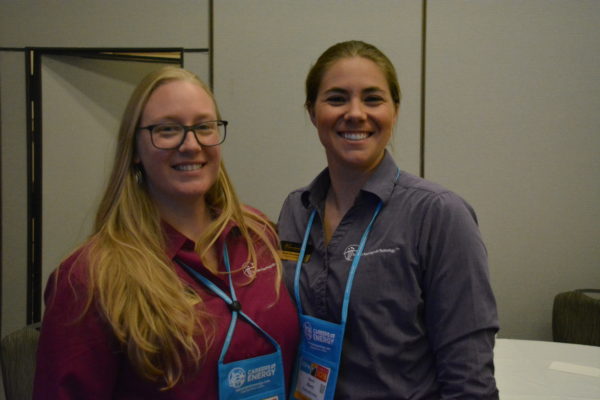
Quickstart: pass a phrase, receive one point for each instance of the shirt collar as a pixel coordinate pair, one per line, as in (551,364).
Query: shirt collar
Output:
(381,183)
(176,240)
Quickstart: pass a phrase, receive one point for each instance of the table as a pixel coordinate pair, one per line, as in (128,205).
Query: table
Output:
(536,370)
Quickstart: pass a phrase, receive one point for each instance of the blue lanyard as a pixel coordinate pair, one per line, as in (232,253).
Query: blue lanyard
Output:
(357,256)
(231,301)
(319,354)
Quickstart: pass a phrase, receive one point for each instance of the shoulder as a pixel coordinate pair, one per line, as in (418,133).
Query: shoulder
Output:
(71,276)
(297,196)
(430,196)
(412,182)
(296,200)
(252,210)
(294,213)
(77,264)
(68,290)
(257,221)
(256,215)
(306,197)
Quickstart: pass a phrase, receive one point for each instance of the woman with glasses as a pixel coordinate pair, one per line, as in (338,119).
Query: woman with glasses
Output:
(388,270)
(177,294)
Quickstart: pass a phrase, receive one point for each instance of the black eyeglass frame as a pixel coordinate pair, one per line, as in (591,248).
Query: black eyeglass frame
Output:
(186,129)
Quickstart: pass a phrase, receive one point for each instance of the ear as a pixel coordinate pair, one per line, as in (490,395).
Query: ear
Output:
(135,156)
(396,113)
(312,115)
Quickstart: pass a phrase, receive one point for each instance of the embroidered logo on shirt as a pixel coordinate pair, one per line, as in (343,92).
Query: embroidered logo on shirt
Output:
(250,269)
(351,250)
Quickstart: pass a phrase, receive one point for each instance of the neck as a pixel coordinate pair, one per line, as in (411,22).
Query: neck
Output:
(344,187)
(189,219)
(192,219)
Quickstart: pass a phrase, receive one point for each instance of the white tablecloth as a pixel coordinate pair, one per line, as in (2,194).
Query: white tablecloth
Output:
(535,370)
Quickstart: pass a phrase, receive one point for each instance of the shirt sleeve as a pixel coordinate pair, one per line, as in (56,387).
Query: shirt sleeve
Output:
(466,367)
(460,308)
(77,357)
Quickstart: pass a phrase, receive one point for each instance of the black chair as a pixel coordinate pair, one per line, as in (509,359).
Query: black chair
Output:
(576,317)
(18,353)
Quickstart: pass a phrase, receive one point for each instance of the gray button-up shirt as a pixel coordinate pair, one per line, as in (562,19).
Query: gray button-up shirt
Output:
(422,315)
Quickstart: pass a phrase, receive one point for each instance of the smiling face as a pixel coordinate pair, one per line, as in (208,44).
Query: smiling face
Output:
(354,114)
(183,175)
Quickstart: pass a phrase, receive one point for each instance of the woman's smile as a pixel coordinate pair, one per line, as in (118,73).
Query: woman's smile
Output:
(188,167)
(354,135)
(354,114)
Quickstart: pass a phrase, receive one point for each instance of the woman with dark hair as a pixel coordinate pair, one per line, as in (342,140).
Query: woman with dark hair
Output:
(388,270)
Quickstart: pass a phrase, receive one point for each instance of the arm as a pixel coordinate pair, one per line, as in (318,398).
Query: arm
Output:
(77,356)
(460,309)
(466,367)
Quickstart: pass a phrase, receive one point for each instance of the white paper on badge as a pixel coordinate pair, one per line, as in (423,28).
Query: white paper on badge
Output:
(574,368)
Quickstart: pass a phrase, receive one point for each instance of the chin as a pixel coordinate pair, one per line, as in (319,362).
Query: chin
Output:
(358,160)
(191,192)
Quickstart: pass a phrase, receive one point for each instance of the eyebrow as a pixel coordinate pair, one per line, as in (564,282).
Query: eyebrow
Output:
(372,89)
(175,119)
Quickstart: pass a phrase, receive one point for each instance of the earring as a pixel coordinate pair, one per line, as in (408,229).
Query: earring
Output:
(138,175)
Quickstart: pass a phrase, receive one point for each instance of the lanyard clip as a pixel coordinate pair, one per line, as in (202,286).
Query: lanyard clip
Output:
(235,305)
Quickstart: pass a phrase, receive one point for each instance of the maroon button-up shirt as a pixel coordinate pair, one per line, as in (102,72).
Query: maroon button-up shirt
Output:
(81,358)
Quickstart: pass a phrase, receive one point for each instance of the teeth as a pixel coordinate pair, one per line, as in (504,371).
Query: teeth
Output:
(188,167)
(354,135)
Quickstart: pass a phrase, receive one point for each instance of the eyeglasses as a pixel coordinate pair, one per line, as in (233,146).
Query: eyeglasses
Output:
(171,136)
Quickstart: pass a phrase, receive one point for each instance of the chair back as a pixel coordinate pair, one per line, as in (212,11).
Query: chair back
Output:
(18,354)
(576,317)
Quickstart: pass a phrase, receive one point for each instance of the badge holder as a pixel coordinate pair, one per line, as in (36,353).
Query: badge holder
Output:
(257,378)
(319,354)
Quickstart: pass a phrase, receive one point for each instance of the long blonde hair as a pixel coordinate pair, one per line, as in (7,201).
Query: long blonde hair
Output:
(155,317)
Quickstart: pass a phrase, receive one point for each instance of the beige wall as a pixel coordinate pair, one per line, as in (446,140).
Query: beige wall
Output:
(98,23)
(511,121)
(513,125)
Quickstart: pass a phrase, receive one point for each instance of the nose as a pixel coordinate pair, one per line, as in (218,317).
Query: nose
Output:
(356,110)
(190,142)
